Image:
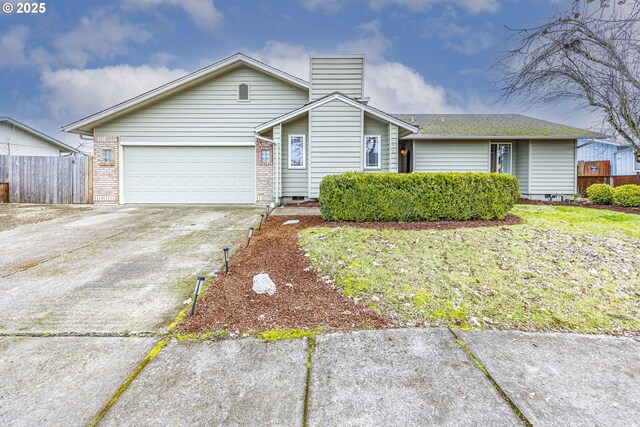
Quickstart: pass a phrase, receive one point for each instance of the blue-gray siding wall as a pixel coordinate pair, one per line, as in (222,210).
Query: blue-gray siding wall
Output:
(622,158)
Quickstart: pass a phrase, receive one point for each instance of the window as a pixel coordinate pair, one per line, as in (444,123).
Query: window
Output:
(265,156)
(297,155)
(372,151)
(107,156)
(243,92)
(501,158)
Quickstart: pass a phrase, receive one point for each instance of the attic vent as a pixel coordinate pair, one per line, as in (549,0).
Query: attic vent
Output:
(243,92)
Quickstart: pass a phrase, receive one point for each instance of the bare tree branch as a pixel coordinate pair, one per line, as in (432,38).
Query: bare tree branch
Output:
(589,53)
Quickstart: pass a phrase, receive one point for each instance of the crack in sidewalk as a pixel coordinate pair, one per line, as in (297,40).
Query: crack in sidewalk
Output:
(484,370)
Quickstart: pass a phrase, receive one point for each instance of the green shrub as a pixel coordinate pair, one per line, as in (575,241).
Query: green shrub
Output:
(627,195)
(601,194)
(453,196)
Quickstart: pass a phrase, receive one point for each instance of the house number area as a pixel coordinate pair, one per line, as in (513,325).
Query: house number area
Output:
(24,8)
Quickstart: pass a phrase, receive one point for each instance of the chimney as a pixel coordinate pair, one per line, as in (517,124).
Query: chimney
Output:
(336,73)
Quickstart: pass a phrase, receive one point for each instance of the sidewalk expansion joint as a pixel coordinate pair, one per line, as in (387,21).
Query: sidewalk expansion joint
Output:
(305,412)
(71,334)
(484,370)
(148,358)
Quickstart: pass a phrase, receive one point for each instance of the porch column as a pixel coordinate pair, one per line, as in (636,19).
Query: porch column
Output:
(393,147)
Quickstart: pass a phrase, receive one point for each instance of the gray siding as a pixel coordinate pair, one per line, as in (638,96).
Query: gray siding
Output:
(210,112)
(335,145)
(376,127)
(295,181)
(521,164)
(341,73)
(451,156)
(553,167)
(17,142)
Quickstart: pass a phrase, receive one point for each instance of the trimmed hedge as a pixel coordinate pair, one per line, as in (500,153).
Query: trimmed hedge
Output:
(450,196)
(601,194)
(627,195)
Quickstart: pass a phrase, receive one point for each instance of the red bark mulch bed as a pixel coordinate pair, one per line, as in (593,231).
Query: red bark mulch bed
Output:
(305,204)
(302,299)
(427,225)
(589,205)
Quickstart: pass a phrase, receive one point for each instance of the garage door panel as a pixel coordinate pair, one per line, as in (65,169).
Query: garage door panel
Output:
(189,175)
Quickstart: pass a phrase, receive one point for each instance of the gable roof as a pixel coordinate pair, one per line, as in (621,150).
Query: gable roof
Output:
(84,126)
(38,134)
(328,98)
(487,126)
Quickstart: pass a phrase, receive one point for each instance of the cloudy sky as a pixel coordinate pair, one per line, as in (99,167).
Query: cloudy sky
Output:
(423,56)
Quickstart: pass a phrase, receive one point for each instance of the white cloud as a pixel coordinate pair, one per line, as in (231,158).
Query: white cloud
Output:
(396,88)
(13,47)
(203,13)
(293,59)
(162,58)
(469,40)
(371,42)
(99,34)
(327,6)
(392,87)
(471,6)
(77,93)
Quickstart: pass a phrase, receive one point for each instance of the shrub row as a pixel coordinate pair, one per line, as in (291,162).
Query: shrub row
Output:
(452,196)
(625,195)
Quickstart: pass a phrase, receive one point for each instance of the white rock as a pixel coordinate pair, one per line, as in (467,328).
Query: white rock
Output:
(262,284)
(291,221)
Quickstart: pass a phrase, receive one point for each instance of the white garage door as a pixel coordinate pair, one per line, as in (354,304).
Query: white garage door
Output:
(189,175)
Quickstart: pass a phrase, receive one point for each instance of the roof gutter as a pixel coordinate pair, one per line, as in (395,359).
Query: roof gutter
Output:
(485,137)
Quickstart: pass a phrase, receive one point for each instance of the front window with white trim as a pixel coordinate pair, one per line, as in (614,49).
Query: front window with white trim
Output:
(372,151)
(501,158)
(297,155)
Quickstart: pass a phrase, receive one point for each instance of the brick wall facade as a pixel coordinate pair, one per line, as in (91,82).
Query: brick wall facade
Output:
(106,179)
(264,173)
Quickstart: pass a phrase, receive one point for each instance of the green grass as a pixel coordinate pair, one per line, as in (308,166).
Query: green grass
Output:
(564,268)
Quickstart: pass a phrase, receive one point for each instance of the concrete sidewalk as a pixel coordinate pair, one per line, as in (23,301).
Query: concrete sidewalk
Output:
(403,377)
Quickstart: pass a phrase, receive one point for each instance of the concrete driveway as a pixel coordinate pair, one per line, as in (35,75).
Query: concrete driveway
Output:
(80,284)
(111,270)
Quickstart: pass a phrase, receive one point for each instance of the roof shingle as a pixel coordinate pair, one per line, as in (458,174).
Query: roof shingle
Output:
(491,125)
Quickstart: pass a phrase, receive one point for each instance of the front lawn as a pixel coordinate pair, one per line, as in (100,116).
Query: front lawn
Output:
(564,268)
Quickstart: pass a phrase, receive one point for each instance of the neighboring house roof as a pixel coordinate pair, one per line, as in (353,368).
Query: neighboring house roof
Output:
(38,134)
(85,125)
(622,144)
(483,126)
(330,97)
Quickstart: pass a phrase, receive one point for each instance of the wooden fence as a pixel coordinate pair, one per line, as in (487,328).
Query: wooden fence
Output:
(615,181)
(48,179)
